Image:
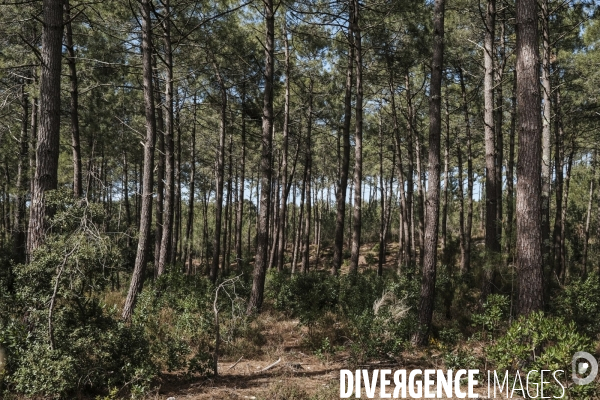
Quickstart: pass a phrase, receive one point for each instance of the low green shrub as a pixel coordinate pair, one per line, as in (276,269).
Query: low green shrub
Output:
(538,342)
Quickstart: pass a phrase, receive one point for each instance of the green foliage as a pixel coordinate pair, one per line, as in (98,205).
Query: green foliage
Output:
(374,316)
(495,312)
(58,335)
(538,342)
(178,322)
(578,302)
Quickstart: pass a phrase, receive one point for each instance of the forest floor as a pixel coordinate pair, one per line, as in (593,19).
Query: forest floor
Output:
(300,374)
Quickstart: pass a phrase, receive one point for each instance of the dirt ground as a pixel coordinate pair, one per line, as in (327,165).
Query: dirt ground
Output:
(299,374)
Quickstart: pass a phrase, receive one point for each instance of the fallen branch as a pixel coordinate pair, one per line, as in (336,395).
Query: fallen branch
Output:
(271,366)
(236,363)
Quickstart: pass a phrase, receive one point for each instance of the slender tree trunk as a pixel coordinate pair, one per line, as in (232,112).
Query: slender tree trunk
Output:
(177,244)
(446,182)
(146,208)
(420,199)
(260,263)
(229,211)
(465,259)
(22,183)
(492,245)
(510,198)
(433,195)
(189,232)
(240,209)
(382,217)
(342,183)
(298,239)
(589,215)
(160,170)
(284,158)
(499,121)
(219,177)
(308,178)
(169,204)
(559,157)
(77,185)
(565,267)
(547,109)
(529,227)
(358,164)
(405,252)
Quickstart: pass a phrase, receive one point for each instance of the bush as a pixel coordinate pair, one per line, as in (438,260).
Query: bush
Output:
(541,342)
(59,338)
(578,302)
(321,301)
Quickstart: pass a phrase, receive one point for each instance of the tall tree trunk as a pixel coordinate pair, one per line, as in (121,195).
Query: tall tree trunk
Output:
(284,157)
(189,231)
(565,267)
(405,252)
(382,216)
(499,121)
(169,204)
(22,183)
(358,164)
(446,182)
(298,238)
(586,235)
(229,213)
(421,197)
(529,227)
(492,245)
(465,259)
(433,195)
(559,157)
(126,193)
(510,198)
(219,177)
(260,263)
(240,208)
(77,185)
(160,170)
(342,183)
(547,109)
(48,140)
(308,178)
(146,208)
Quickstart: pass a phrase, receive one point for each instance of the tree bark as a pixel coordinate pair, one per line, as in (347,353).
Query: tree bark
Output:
(433,195)
(219,177)
(529,227)
(510,198)
(547,109)
(48,140)
(189,231)
(465,259)
(260,262)
(358,164)
(342,183)
(22,183)
(308,178)
(589,215)
(146,207)
(492,245)
(77,179)
(240,209)
(169,203)
(285,185)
